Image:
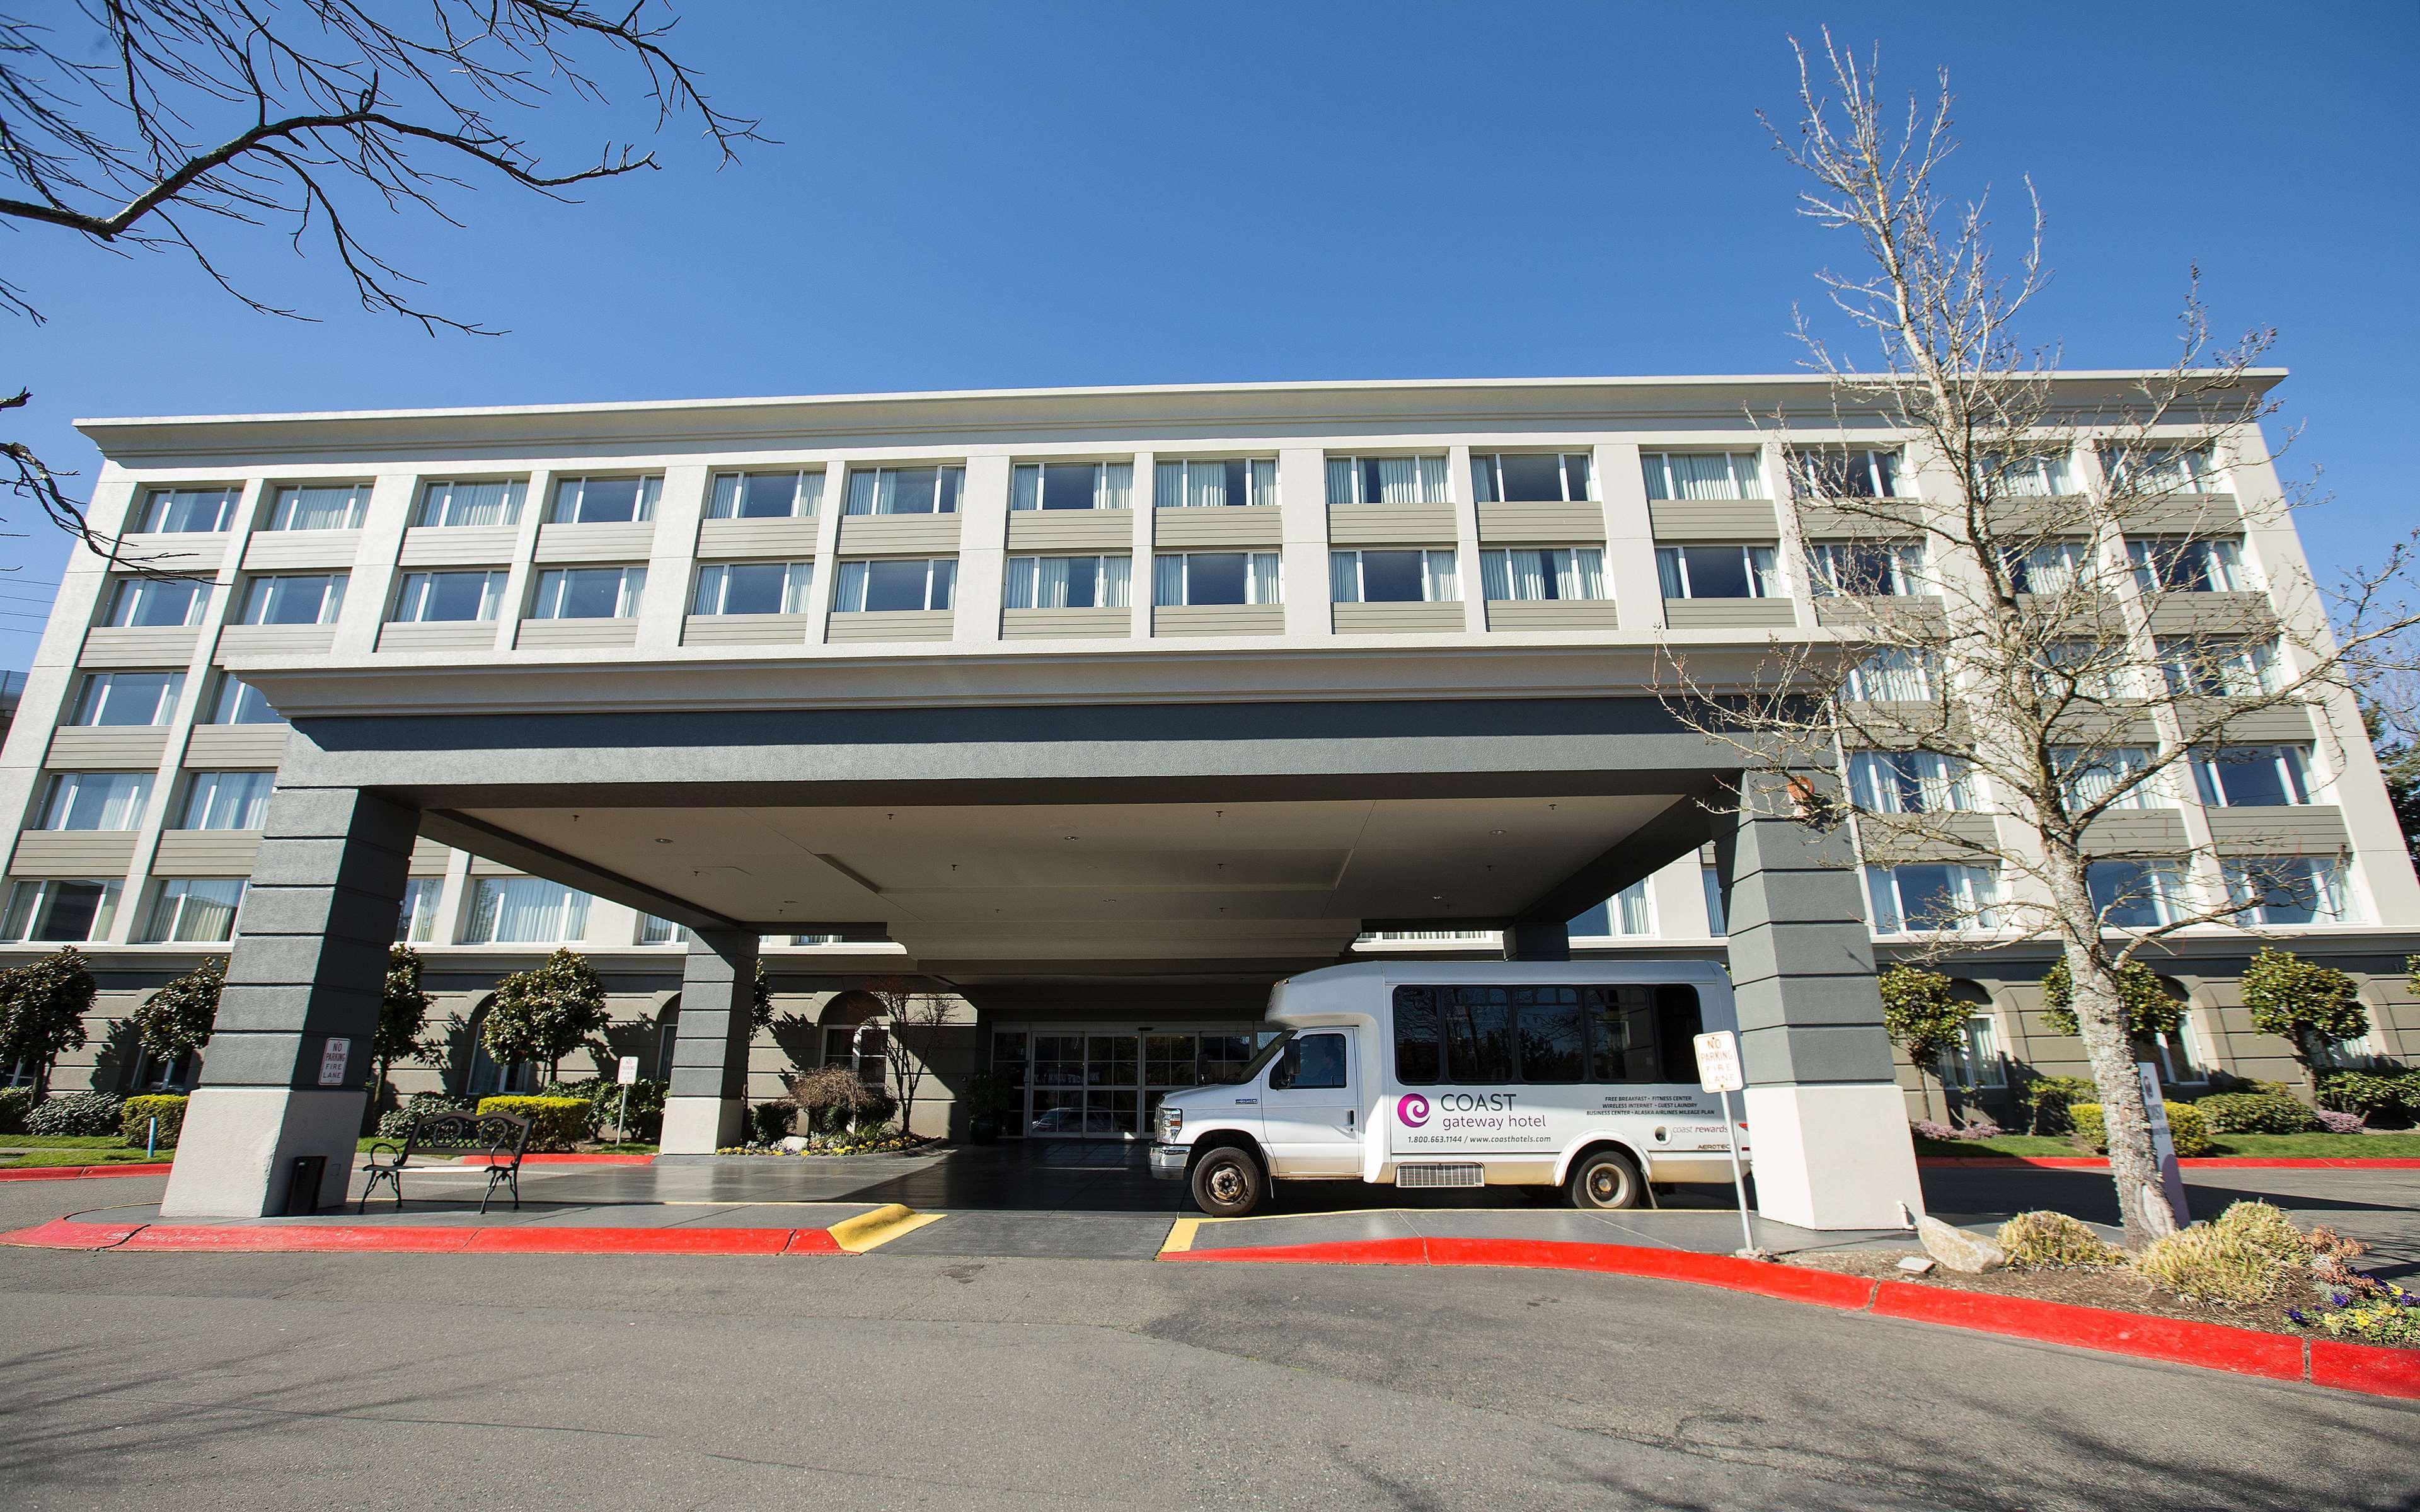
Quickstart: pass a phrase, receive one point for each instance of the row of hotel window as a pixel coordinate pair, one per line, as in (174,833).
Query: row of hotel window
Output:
(1509,477)
(2090,672)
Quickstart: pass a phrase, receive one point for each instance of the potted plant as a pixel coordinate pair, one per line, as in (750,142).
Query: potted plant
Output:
(991,1101)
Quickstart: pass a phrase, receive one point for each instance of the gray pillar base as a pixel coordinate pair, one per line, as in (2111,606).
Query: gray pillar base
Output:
(240,1144)
(700,1125)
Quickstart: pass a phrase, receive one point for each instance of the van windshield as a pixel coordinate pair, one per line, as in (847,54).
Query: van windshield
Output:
(1269,1053)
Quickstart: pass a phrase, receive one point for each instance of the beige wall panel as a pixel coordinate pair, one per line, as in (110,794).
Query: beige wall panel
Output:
(73,853)
(786,540)
(1891,839)
(301,550)
(101,747)
(1918,613)
(2213,614)
(2213,513)
(745,629)
(1398,619)
(167,551)
(428,859)
(2307,829)
(889,624)
(1065,624)
(534,635)
(1678,520)
(452,635)
(1553,614)
(1071,529)
(1391,524)
(900,535)
(461,546)
(1231,527)
(1218,619)
(1891,518)
(215,745)
(632,542)
(277,639)
(1554,524)
(1729,613)
(133,646)
(206,852)
(2284,722)
(2138,832)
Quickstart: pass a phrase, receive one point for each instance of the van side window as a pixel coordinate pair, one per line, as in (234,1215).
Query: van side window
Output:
(1678,1022)
(1548,1019)
(1309,1063)
(1417,1046)
(1479,1035)
(1621,1035)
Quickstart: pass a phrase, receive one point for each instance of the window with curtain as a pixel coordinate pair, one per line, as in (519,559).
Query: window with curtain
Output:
(605,500)
(1185,577)
(1537,574)
(889,586)
(1848,473)
(1718,572)
(1928,897)
(1910,781)
(785,495)
(237,702)
(588,594)
(60,911)
(1392,578)
(195,910)
(441,598)
(311,599)
(1977,1061)
(2296,890)
(905,490)
(754,588)
(145,603)
(415,923)
(525,911)
(2218,666)
(2084,669)
(1530,477)
(188,511)
(2089,776)
(94,800)
(320,507)
(1070,582)
(1711,881)
(1896,674)
(2026,474)
(2131,893)
(1071,486)
(127,698)
(1703,474)
(1215,483)
(2186,564)
(2054,567)
(1626,914)
(1386,480)
(444,505)
(225,800)
(1871,569)
(2253,776)
(653,931)
(2153,469)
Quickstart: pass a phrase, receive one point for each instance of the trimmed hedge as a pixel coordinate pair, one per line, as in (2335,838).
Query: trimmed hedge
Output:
(15,1104)
(2048,1097)
(77,1113)
(2187,1129)
(396,1123)
(168,1108)
(2382,1098)
(555,1122)
(2255,1113)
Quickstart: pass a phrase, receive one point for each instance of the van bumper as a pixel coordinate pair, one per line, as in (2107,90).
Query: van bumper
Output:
(1693,1166)
(1167,1162)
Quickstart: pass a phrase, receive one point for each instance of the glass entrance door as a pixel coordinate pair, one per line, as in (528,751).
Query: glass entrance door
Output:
(1106,1083)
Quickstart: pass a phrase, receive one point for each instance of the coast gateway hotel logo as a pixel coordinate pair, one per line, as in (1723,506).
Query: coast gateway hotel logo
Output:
(1412,1109)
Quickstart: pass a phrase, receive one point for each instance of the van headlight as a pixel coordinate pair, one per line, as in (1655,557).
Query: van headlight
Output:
(1170,1121)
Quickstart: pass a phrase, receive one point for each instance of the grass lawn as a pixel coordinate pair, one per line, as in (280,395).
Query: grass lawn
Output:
(121,1156)
(27,1141)
(2302,1146)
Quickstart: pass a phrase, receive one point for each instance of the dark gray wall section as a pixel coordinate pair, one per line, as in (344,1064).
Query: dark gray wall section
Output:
(718,988)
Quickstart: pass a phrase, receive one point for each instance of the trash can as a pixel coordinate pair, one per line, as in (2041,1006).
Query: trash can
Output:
(303,1185)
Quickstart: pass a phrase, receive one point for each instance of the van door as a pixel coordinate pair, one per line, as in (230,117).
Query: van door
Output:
(1311,1111)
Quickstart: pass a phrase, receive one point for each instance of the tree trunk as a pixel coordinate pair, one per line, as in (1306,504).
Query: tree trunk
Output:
(1924,1091)
(2310,1047)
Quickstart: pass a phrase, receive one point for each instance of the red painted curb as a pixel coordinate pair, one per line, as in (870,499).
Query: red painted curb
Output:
(2212,1346)
(419,1239)
(2372,1367)
(2220,1162)
(357,1238)
(66,1233)
(1345,1252)
(637,1241)
(70,1173)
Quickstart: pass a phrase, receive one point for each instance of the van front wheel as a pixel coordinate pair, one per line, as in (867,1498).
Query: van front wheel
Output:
(1229,1183)
(1606,1179)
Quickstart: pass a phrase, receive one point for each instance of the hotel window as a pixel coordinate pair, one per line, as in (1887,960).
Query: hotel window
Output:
(1834,472)
(444,505)
(1216,577)
(2027,475)
(653,931)
(905,490)
(2181,1059)
(1930,896)
(766,495)
(2299,889)
(605,500)
(1898,674)
(199,910)
(1392,578)
(225,800)
(1215,483)
(237,702)
(2218,667)
(2089,776)
(588,594)
(1894,569)
(2058,567)
(59,912)
(94,800)
(321,507)
(415,922)
(2189,565)
(1711,881)
(1627,912)
(1071,486)
(1538,573)
(2130,893)
(127,698)
(441,597)
(188,511)
(2164,469)
(754,588)
(1975,1061)
(895,586)
(313,599)
(1703,474)
(2085,670)
(525,911)
(2253,776)
(1386,480)
(1909,782)
(1718,572)
(1530,477)
(147,603)
(1070,582)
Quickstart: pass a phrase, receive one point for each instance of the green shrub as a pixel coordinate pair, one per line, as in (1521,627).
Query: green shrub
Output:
(134,1120)
(770,1122)
(2054,1240)
(2254,1113)
(2242,1259)
(584,1093)
(2264,1227)
(2047,1098)
(646,1107)
(396,1123)
(2381,1098)
(76,1113)
(15,1102)
(555,1122)
(2187,1129)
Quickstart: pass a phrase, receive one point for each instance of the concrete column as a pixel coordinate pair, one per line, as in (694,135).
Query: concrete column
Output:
(1825,1118)
(982,551)
(1302,503)
(705,1106)
(286,1071)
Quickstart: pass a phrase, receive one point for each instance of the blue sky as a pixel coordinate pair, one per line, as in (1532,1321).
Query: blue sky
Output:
(971,195)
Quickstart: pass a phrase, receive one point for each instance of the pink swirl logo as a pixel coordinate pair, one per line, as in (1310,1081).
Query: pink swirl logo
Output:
(1413,1110)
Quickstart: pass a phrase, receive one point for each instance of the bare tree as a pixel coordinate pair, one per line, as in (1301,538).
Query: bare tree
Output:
(914,1017)
(2029,585)
(153,124)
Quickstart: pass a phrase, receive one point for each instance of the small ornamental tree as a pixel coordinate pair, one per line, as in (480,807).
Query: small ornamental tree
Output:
(403,1013)
(176,1021)
(545,1014)
(42,1005)
(914,1017)
(1923,1019)
(2150,1012)
(760,1001)
(2305,1004)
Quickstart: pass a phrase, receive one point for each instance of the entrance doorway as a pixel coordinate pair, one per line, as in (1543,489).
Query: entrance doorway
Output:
(1104,1081)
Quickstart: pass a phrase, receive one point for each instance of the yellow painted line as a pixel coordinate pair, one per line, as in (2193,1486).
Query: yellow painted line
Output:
(1180,1235)
(884,1224)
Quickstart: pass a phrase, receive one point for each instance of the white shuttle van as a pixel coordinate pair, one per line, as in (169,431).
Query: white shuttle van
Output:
(1458,1074)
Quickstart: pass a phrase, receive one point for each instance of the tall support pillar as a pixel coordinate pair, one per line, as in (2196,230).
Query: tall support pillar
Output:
(1825,1117)
(705,1105)
(286,1073)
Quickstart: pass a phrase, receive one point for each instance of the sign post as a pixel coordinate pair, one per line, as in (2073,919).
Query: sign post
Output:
(1718,1071)
(627,1073)
(2164,1143)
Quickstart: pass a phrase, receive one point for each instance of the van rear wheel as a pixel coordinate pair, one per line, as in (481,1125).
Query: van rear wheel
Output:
(1606,1180)
(1229,1183)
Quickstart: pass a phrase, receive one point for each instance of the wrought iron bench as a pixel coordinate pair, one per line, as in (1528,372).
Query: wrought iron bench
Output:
(501,1137)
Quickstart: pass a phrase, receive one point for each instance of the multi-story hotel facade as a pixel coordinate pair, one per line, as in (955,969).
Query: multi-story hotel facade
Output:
(1099,709)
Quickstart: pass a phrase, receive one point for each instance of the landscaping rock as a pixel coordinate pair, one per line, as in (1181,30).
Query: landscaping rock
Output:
(794,1143)
(1957,1250)
(1915,1264)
